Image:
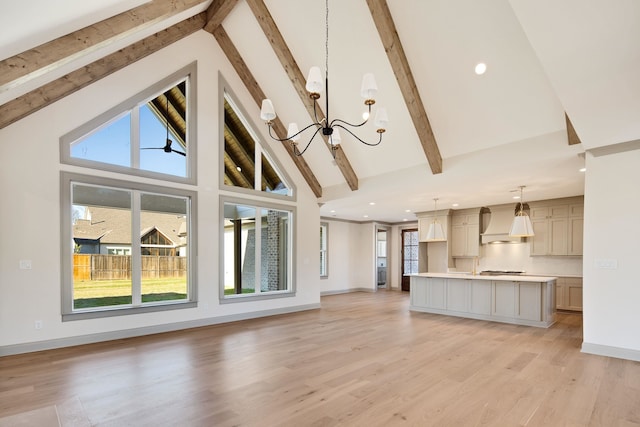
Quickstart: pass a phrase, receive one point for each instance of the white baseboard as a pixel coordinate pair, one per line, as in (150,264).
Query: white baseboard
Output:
(147,330)
(341,291)
(610,351)
(346,291)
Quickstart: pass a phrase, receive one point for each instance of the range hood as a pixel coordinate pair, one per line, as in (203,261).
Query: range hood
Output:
(499,225)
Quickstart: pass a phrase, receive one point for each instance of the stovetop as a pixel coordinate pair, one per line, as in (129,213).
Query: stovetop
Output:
(501,273)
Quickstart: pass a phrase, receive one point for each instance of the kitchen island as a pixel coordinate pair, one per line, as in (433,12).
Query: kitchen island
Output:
(521,300)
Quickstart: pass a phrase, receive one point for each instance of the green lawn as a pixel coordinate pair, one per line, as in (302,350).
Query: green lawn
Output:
(102,293)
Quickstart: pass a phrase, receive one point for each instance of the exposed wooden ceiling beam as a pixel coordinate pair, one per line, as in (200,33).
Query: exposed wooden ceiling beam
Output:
(51,92)
(389,36)
(258,95)
(572,136)
(217,11)
(290,66)
(237,178)
(51,55)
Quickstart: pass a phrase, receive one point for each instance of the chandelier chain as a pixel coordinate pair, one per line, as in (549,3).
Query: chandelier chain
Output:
(326,40)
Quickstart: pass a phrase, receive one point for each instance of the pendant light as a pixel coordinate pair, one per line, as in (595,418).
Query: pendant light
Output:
(436,232)
(521,226)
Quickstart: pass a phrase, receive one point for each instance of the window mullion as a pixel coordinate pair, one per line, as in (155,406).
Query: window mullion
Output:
(136,251)
(257,184)
(258,232)
(135,137)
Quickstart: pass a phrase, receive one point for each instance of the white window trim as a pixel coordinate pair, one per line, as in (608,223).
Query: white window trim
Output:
(291,272)
(68,313)
(190,73)
(326,250)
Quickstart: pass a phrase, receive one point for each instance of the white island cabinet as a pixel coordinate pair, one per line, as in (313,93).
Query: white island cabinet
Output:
(521,300)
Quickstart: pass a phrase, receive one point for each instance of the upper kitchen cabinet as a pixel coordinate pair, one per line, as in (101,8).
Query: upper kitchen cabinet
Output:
(426,218)
(558,227)
(465,233)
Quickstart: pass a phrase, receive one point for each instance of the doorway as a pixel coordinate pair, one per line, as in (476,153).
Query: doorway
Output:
(409,256)
(381,258)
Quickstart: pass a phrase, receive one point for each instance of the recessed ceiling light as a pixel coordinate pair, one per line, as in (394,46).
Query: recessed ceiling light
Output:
(516,197)
(455,205)
(333,211)
(480,69)
(366,216)
(407,210)
(372,203)
(404,219)
(583,169)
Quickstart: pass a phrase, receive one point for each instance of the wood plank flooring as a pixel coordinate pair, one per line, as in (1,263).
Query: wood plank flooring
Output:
(361,360)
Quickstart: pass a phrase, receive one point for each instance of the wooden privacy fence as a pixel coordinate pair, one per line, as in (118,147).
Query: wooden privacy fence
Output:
(114,267)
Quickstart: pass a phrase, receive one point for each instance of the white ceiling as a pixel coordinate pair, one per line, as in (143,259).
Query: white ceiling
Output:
(495,132)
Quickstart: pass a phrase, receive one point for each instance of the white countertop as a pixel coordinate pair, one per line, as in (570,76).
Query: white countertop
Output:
(479,277)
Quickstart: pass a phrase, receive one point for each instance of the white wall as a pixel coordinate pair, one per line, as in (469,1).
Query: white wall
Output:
(30,208)
(612,235)
(351,255)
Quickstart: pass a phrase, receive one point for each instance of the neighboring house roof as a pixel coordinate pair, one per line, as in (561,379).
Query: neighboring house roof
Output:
(113,226)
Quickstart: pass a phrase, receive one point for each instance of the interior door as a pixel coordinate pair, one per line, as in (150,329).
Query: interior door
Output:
(409,256)
(381,257)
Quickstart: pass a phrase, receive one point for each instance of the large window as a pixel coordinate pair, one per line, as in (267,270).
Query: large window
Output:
(256,248)
(125,246)
(151,134)
(246,164)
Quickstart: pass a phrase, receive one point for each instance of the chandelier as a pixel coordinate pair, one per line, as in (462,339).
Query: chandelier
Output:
(329,127)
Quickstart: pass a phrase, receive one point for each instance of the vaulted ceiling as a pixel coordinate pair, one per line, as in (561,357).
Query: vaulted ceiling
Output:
(561,79)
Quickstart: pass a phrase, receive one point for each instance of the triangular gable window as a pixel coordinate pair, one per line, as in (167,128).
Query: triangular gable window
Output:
(149,134)
(246,163)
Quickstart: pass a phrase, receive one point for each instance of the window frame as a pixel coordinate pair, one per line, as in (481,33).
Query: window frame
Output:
(188,73)
(67,179)
(264,148)
(324,225)
(291,256)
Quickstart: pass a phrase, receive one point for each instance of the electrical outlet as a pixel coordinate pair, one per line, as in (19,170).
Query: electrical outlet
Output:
(609,264)
(38,324)
(25,264)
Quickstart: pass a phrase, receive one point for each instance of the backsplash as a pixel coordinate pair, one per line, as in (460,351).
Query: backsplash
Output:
(515,256)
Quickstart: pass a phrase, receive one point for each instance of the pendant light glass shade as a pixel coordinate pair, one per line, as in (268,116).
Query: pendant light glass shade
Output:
(315,82)
(521,226)
(436,232)
(369,88)
(292,132)
(267,112)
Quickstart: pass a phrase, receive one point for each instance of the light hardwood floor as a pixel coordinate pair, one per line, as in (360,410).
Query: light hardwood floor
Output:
(361,360)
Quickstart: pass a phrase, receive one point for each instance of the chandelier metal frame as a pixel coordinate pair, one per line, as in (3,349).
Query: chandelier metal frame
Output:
(329,128)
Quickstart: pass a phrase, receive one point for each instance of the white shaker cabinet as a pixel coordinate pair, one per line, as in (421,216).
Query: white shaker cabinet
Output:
(569,293)
(558,229)
(525,300)
(465,234)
